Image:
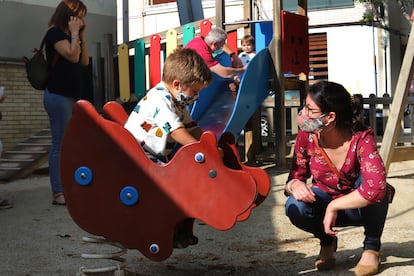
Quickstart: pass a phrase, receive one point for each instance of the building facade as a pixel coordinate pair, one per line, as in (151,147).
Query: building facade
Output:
(366,59)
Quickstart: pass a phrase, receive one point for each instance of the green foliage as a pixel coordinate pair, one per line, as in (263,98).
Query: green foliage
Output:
(376,13)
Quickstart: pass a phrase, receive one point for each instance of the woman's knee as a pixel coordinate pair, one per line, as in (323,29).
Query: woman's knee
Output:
(294,208)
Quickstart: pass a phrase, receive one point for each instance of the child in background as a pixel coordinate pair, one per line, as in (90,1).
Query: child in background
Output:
(161,120)
(248,49)
(248,52)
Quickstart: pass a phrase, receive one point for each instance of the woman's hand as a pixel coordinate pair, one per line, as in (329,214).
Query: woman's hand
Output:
(329,220)
(302,192)
(75,25)
(82,30)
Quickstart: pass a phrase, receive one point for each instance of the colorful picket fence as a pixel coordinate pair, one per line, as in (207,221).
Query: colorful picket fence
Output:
(147,58)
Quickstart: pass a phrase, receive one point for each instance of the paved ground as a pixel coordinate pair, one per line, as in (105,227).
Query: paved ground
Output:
(37,238)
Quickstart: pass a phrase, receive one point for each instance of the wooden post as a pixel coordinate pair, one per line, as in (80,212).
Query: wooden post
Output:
(399,100)
(220,13)
(280,116)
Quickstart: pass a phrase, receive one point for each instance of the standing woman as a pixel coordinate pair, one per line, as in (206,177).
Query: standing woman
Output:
(338,152)
(66,53)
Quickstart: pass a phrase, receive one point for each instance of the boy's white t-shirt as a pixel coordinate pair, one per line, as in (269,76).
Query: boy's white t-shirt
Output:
(154,118)
(246,57)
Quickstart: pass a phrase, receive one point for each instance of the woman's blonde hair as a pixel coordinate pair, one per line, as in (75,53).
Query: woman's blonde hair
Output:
(187,66)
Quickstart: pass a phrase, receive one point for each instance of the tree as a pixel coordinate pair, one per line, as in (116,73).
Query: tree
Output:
(376,13)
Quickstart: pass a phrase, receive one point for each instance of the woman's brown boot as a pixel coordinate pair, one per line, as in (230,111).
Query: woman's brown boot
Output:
(323,264)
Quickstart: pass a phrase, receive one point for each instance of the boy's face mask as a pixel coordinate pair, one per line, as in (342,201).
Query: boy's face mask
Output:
(184,99)
(308,124)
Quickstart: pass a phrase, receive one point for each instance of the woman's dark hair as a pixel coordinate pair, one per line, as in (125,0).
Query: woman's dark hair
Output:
(64,11)
(333,97)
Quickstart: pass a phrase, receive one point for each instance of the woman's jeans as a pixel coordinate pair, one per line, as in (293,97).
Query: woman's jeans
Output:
(309,217)
(59,109)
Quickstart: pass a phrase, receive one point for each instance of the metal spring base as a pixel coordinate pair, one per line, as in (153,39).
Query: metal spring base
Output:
(118,269)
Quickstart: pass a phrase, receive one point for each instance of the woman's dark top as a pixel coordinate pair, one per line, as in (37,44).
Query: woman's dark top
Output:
(65,77)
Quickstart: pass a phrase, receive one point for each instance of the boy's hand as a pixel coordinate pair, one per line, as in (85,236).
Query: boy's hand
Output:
(236,62)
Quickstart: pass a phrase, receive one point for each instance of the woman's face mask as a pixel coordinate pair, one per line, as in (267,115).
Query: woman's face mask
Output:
(308,124)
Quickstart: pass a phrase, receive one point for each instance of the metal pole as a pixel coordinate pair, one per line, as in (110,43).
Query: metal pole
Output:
(97,78)
(109,68)
(375,58)
(125,20)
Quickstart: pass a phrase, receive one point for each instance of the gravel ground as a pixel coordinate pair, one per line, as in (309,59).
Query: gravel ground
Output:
(37,238)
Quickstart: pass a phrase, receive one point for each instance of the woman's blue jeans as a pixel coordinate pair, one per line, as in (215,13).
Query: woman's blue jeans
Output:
(309,217)
(59,109)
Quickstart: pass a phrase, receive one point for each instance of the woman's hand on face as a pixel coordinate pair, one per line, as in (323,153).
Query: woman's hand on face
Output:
(75,25)
(302,192)
(82,30)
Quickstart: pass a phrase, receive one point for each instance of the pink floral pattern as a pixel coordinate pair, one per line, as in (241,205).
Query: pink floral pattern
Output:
(362,158)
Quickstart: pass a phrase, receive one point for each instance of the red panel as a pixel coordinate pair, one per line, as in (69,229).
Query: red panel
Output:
(155,60)
(205,27)
(295,43)
(232,41)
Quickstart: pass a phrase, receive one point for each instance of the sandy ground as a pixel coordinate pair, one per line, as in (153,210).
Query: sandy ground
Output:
(37,238)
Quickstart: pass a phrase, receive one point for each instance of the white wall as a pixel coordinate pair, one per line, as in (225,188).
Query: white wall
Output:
(350,57)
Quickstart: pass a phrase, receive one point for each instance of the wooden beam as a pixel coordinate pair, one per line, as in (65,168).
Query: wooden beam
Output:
(279,121)
(220,13)
(303,7)
(403,153)
(398,103)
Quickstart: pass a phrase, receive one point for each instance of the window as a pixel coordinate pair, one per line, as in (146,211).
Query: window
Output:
(156,2)
(290,5)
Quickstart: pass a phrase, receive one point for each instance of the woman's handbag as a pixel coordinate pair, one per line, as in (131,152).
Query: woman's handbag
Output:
(36,67)
(390,189)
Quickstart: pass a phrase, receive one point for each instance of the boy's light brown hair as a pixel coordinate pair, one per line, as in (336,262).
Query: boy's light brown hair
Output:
(186,66)
(247,39)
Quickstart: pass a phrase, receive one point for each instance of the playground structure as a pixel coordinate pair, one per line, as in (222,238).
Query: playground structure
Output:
(129,207)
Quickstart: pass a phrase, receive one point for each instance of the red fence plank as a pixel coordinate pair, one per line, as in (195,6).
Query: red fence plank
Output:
(155,60)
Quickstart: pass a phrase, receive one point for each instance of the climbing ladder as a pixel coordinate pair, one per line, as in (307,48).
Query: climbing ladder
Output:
(25,157)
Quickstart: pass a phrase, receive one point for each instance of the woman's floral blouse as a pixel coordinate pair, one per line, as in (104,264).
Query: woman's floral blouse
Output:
(362,159)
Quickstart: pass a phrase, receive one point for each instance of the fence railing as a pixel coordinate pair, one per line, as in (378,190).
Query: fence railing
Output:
(378,110)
